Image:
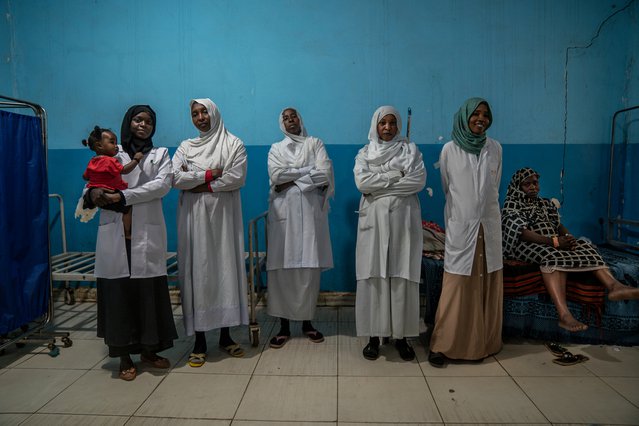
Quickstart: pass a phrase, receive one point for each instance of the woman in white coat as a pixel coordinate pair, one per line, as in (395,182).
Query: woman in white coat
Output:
(469,314)
(389,172)
(134,307)
(210,170)
(299,243)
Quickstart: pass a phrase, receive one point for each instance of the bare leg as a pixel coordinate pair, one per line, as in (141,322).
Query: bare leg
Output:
(616,290)
(555,283)
(126,221)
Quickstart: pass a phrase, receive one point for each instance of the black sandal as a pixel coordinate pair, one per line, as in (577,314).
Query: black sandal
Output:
(555,348)
(406,352)
(314,336)
(567,358)
(278,341)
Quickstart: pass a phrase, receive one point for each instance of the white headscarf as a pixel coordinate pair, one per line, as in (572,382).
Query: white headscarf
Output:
(300,157)
(380,151)
(201,151)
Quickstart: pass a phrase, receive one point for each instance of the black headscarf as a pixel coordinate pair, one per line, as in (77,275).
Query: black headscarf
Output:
(130,143)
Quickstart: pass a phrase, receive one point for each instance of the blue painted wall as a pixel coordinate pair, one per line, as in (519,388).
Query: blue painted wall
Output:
(553,74)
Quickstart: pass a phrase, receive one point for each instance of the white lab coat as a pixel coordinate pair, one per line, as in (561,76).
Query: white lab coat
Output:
(148,183)
(389,237)
(298,233)
(471,187)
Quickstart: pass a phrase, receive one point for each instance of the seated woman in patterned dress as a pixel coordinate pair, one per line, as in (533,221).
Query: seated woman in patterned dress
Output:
(532,233)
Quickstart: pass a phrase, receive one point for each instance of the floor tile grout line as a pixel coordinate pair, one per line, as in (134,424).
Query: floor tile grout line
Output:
(164,377)
(239,403)
(601,379)
(432,395)
(61,391)
(513,378)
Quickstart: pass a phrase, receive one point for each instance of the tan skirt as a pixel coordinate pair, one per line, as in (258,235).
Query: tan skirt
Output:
(469,314)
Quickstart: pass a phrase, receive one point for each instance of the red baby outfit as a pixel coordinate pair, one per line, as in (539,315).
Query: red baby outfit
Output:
(104,172)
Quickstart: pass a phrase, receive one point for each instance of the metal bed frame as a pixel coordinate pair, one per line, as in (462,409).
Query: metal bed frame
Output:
(79,265)
(39,330)
(616,223)
(256,264)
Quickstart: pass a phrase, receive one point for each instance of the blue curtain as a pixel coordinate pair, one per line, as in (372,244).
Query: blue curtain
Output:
(24,213)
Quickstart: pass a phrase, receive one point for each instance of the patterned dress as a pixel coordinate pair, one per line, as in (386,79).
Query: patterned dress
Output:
(540,215)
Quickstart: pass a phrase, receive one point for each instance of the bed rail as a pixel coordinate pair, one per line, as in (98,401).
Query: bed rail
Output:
(617,224)
(256,264)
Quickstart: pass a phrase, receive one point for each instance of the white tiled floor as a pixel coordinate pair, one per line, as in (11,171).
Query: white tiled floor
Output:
(312,384)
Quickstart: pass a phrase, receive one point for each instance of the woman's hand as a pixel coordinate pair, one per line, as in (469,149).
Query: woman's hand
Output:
(217,173)
(567,242)
(102,197)
(281,187)
(203,187)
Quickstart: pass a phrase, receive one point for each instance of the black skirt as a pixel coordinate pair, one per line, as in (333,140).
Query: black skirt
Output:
(135,315)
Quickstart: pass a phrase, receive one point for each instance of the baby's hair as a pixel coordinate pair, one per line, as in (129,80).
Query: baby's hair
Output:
(95,136)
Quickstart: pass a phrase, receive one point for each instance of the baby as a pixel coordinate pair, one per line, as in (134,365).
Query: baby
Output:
(104,170)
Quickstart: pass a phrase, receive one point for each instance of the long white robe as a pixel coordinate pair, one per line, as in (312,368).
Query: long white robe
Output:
(298,233)
(389,237)
(299,245)
(211,263)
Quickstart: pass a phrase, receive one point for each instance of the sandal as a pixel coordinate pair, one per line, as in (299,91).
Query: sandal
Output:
(567,358)
(155,361)
(555,348)
(406,352)
(371,351)
(278,341)
(128,374)
(314,336)
(197,360)
(234,350)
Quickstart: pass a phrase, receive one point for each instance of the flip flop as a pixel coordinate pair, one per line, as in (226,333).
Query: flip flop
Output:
(314,336)
(197,360)
(567,358)
(555,348)
(128,374)
(278,341)
(234,350)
